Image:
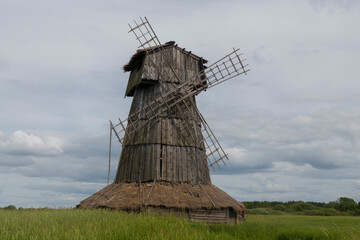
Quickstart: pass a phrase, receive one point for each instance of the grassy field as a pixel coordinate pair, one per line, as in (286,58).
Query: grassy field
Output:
(102,224)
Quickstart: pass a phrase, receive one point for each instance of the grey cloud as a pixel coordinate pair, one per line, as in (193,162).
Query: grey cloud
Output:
(325,140)
(231,168)
(266,188)
(15,161)
(275,186)
(67,187)
(332,5)
(84,146)
(85,169)
(4,64)
(305,52)
(347,172)
(73,167)
(82,158)
(260,56)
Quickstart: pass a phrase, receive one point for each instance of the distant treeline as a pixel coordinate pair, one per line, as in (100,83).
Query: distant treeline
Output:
(342,207)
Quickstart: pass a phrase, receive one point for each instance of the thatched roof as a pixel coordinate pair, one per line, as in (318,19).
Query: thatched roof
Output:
(138,56)
(132,197)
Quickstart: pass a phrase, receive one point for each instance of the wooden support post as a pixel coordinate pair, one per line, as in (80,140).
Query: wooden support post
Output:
(109,153)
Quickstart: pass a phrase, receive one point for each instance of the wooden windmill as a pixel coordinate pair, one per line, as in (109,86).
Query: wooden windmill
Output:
(167,146)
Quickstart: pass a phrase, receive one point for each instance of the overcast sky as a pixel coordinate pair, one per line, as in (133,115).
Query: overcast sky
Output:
(291,126)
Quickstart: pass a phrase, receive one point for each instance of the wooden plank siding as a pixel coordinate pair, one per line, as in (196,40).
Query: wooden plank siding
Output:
(178,164)
(166,144)
(185,65)
(210,216)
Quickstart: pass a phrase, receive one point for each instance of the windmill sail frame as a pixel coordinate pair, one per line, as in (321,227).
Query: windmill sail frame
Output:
(220,71)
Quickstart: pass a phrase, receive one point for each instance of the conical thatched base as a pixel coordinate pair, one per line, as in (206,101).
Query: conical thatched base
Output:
(203,202)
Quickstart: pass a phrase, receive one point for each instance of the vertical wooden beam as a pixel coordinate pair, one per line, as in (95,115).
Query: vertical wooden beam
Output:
(109,153)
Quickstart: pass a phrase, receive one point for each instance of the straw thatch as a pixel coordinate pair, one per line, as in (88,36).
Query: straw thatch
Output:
(179,197)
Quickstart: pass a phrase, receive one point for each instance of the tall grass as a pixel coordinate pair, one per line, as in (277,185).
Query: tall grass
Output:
(103,224)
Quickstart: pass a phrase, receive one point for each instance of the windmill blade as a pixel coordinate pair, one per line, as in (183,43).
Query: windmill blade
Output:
(214,152)
(144,34)
(222,70)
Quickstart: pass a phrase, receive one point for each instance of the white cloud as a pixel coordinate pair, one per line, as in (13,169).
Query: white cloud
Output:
(22,143)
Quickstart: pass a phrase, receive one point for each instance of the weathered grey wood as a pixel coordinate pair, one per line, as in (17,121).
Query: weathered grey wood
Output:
(178,163)
(144,156)
(164,159)
(168,163)
(127,163)
(147,163)
(133,163)
(168,147)
(172,161)
(187,171)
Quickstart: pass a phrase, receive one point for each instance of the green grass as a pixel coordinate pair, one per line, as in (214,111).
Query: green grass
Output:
(102,224)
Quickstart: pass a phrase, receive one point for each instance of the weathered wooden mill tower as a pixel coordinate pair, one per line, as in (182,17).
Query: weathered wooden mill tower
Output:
(167,146)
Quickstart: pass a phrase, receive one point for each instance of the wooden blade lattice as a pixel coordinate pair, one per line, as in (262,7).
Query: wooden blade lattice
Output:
(144,34)
(222,70)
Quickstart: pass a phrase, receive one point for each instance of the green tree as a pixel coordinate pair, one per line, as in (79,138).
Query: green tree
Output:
(346,204)
(279,207)
(10,207)
(332,204)
(300,206)
(249,205)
